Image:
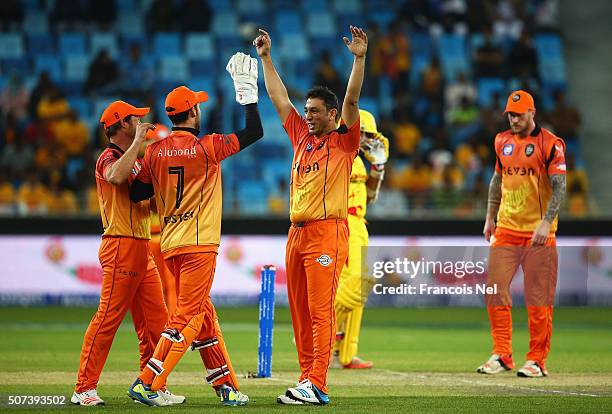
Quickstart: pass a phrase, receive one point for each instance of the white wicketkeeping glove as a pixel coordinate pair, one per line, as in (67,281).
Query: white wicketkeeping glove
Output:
(376,150)
(243,70)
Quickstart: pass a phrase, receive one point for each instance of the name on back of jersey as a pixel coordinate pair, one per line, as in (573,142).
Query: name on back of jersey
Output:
(177,152)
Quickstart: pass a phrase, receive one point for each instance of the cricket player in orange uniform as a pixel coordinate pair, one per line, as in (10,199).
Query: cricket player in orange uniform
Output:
(317,245)
(525,195)
(183,171)
(130,280)
(165,275)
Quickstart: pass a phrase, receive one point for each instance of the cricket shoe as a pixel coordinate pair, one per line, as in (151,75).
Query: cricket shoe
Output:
(88,398)
(358,363)
(288,400)
(532,369)
(231,396)
(173,398)
(307,392)
(496,364)
(142,393)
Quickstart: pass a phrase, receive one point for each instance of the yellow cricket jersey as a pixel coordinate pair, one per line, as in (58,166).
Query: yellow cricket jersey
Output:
(358,194)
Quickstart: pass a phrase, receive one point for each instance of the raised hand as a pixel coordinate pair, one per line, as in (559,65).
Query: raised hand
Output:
(358,45)
(141,131)
(243,70)
(263,43)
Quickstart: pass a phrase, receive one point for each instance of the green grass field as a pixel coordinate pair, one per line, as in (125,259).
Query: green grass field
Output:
(424,362)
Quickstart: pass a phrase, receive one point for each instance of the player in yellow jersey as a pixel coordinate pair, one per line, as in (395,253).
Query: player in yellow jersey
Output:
(354,285)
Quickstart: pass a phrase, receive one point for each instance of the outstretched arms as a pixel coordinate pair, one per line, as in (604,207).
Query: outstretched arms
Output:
(358,46)
(274,85)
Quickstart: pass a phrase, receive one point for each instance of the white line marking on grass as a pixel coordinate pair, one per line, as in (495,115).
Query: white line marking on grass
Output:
(477,382)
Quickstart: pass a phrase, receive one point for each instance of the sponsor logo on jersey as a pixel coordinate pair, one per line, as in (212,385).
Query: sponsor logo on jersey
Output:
(324,260)
(508,149)
(518,171)
(529,150)
(515,201)
(305,169)
(561,167)
(178,218)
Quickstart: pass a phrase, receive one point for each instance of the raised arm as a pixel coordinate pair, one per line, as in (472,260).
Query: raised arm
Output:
(243,70)
(274,85)
(358,46)
(121,169)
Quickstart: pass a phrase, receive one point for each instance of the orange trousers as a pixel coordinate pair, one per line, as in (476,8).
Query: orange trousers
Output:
(166,276)
(130,282)
(195,319)
(316,253)
(508,251)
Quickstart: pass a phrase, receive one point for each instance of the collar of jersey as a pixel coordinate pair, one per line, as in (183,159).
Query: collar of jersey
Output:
(535,131)
(116,147)
(193,131)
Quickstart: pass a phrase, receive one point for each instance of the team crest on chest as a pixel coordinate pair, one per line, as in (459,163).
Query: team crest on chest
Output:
(529,150)
(508,149)
(309,147)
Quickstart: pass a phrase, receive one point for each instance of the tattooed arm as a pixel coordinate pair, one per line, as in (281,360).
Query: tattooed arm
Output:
(492,205)
(557,181)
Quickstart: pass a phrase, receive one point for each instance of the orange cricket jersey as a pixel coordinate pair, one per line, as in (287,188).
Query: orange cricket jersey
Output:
(120,216)
(186,175)
(321,170)
(525,165)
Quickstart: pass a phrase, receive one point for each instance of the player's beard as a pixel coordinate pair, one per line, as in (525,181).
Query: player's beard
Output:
(520,130)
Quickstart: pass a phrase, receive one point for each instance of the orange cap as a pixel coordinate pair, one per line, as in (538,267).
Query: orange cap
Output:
(182,99)
(160,132)
(119,110)
(519,102)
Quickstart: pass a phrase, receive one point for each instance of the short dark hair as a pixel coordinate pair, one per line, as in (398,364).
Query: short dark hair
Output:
(112,130)
(325,94)
(180,117)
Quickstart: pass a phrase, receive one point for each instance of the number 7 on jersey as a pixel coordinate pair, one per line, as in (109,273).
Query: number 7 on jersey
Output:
(180,183)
